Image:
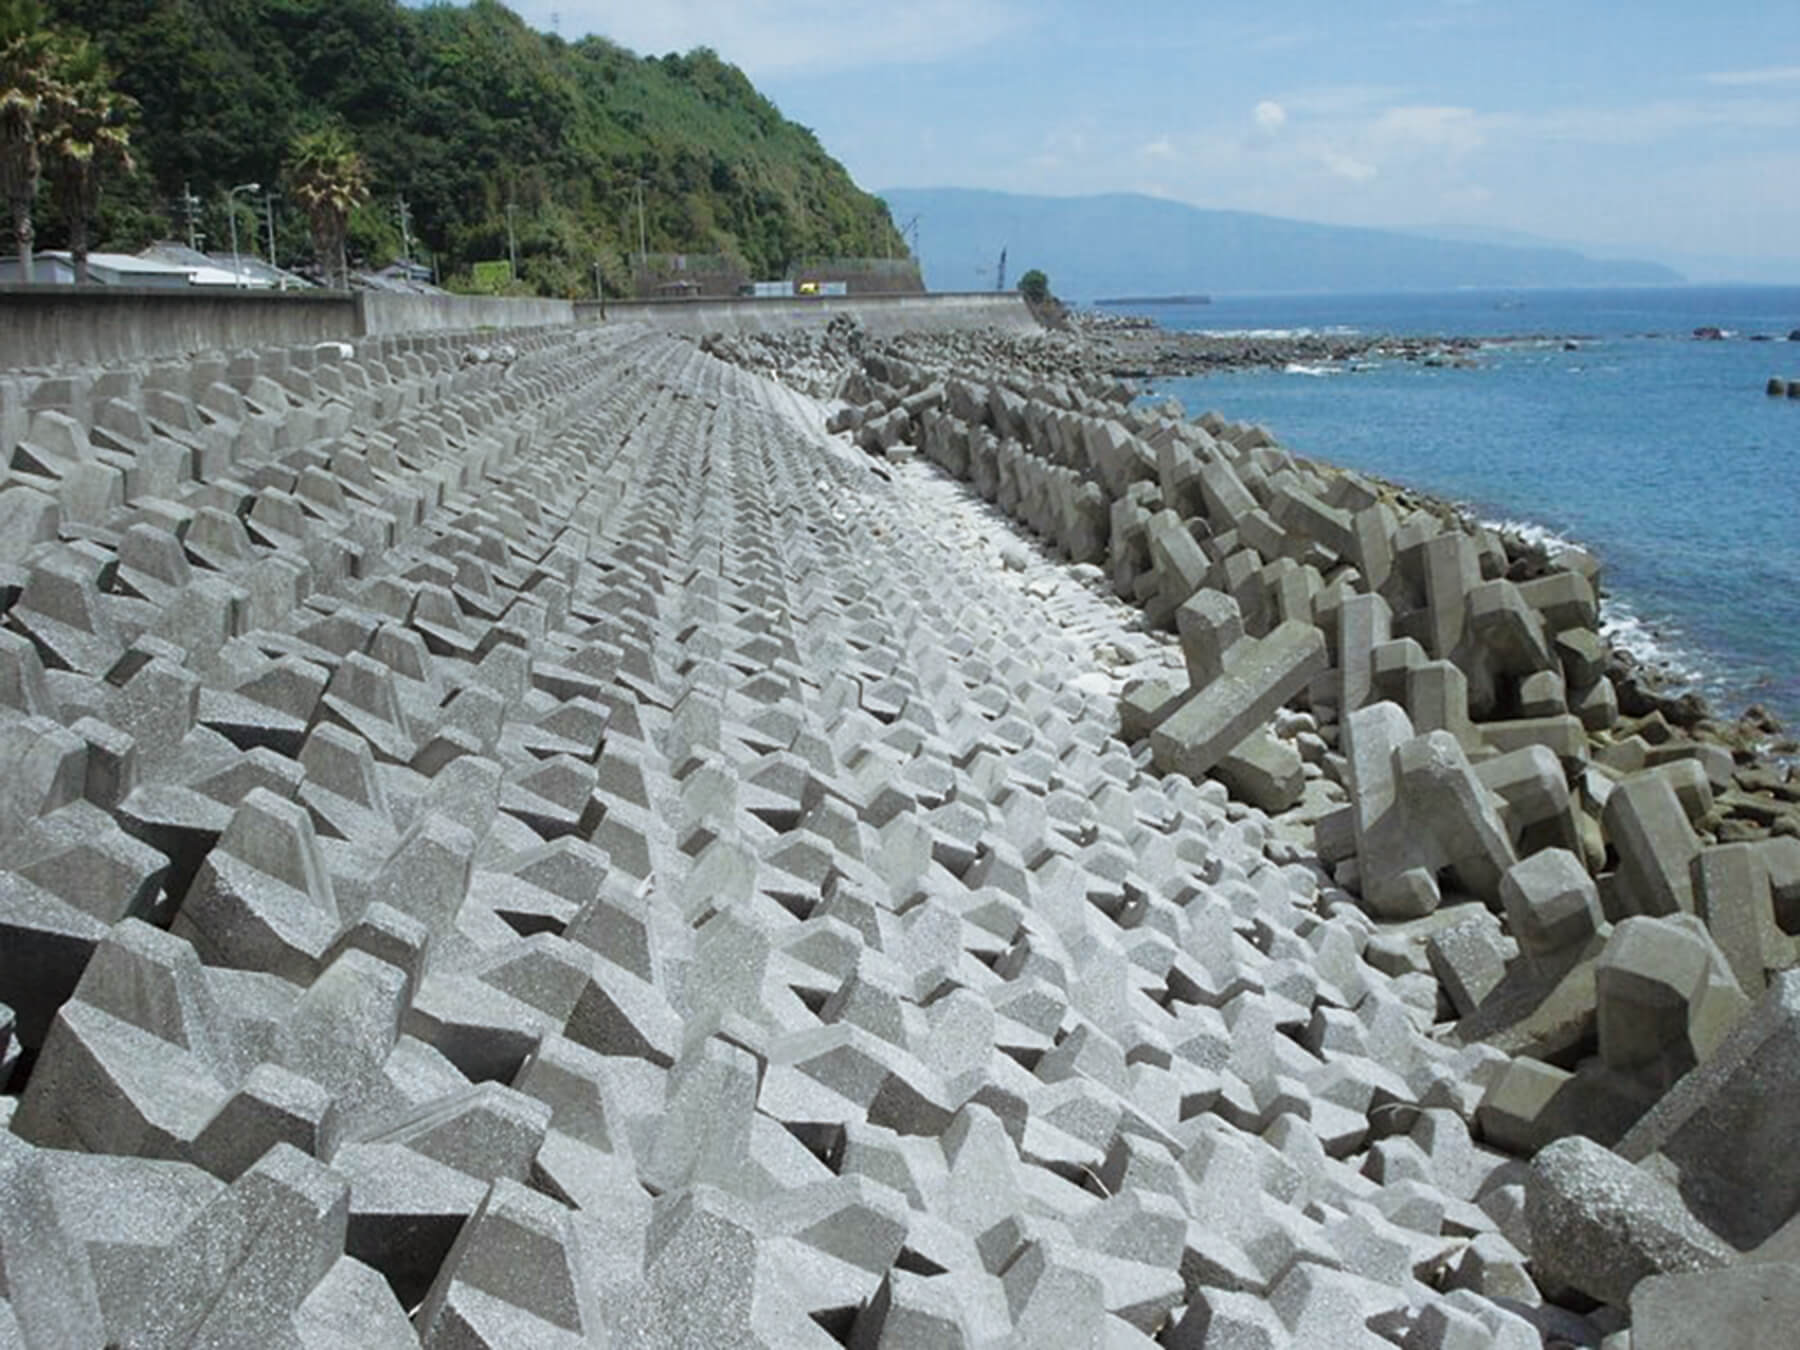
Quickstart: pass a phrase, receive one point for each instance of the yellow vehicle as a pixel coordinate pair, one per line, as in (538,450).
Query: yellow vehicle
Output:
(809,288)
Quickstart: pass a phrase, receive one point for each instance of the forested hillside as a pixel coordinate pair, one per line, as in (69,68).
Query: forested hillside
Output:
(461,110)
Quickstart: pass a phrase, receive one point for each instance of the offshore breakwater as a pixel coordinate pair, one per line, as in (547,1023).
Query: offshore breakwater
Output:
(530,837)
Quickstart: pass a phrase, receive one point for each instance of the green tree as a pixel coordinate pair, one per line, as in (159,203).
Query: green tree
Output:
(25,83)
(1035,286)
(84,136)
(328,178)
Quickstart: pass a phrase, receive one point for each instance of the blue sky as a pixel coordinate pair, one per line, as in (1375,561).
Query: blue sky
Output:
(1668,130)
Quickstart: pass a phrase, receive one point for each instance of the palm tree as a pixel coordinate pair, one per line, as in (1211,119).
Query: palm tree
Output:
(25,62)
(328,178)
(85,137)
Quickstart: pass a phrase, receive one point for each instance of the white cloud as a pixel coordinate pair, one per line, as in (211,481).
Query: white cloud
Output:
(1270,116)
(1160,148)
(1646,123)
(1455,130)
(1347,166)
(1766,75)
(774,37)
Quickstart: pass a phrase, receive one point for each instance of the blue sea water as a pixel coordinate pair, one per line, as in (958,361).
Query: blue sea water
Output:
(1659,452)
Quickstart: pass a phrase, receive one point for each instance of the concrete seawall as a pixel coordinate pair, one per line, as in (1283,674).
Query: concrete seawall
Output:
(881,315)
(59,326)
(378,315)
(43,326)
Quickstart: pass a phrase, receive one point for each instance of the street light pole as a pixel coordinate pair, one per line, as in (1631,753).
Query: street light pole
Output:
(512,247)
(237,267)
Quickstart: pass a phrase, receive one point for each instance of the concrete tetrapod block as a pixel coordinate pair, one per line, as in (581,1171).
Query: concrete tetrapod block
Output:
(1211,629)
(246,1263)
(1265,771)
(1398,881)
(1646,825)
(1264,675)
(1600,1225)
(1469,959)
(1725,1132)
(1551,902)
(1364,622)
(51,1292)
(515,1276)
(1733,897)
(1664,996)
(1745,1307)
(263,899)
(1446,803)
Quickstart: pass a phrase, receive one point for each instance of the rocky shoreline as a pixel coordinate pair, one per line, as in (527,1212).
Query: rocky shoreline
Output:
(1132,348)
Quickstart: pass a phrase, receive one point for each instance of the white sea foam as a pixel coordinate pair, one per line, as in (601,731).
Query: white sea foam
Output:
(1299,368)
(1539,536)
(1656,645)
(1276,333)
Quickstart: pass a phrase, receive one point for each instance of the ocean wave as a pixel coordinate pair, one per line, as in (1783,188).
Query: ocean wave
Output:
(1532,533)
(1275,334)
(1657,645)
(1299,368)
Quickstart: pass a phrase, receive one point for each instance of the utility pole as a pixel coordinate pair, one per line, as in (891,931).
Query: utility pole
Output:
(190,207)
(405,214)
(1000,276)
(643,236)
(512,245)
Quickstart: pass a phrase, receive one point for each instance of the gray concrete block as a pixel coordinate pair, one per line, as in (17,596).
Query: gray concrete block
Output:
(1469,959)
(1218,717)
(1550,901)
(50,1285)
(1739,1308)
(250,1258)
(1264,771)
(1646,825)
(1665,996)
(1446,804)
(1600,1225)
(1722,1131)
(263,899)
(1733,898)
(1211,629)
(520,1250)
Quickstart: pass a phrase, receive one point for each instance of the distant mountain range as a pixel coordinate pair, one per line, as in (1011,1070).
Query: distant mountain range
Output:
(1125,244)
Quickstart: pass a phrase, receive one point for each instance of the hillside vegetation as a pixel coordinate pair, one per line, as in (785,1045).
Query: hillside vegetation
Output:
(461,110)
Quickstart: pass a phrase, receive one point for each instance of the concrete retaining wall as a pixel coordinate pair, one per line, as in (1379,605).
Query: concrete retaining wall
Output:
(880,315)
(380,313)
(53,326)
(43,326)
(49,326)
